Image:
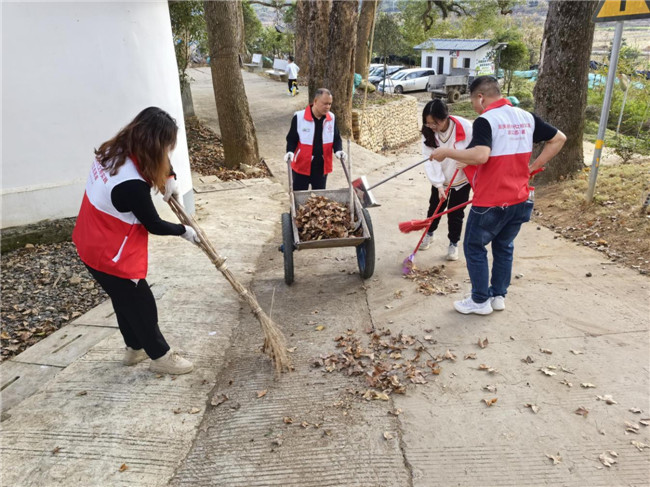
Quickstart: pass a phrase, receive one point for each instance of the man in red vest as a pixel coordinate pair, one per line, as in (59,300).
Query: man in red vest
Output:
(499,159)
(312,140)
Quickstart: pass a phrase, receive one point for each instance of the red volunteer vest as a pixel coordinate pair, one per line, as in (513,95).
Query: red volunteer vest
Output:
(503,179)
(302,158)
(108,240)
(461,135)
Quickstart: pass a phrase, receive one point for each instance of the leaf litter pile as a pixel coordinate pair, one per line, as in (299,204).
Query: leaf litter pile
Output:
(321,218)
(207,156)
(388,363)
(432,280)
(44,287)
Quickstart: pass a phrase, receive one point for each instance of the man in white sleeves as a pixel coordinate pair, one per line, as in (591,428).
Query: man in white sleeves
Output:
(292,76)
(441,130)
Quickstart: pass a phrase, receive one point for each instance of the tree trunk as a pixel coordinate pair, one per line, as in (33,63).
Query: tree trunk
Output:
(241,37)
(302,37)
(364,29)
(319,21)
(339,77)
(235,121)
(561,90)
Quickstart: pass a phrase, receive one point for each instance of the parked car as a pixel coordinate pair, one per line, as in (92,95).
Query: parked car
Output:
(407,80)
(378,75)
(374,66)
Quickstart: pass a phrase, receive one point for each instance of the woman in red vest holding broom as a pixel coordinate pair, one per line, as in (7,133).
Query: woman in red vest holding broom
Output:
(111,234)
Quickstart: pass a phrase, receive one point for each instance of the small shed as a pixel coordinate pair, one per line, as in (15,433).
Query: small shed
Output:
(445,54)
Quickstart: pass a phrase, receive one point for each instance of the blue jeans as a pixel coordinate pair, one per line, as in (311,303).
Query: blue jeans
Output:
(498,226)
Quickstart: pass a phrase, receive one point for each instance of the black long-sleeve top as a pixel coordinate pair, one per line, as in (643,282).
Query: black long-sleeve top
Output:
(135,196)
(317,162)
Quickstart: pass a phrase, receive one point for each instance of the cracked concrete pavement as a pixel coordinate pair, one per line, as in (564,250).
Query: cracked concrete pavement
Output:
(90,415)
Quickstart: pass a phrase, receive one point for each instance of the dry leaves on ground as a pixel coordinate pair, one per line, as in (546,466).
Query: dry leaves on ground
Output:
(44,287)
(533,407)
(607,398)
(321,218)
(388,363)
(581,411)
(207,156)
(557,459)
(432,280)
(632,427)
(487,368)
(612,223)
(606,458)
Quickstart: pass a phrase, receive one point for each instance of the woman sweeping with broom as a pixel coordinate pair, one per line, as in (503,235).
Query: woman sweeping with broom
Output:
(441,130)
(116,217)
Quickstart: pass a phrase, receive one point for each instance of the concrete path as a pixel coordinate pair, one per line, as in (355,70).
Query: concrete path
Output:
(311,428)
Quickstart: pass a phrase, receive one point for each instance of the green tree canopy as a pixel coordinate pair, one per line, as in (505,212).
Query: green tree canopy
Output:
(188,28)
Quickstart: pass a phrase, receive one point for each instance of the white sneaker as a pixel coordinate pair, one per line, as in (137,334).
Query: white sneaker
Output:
(171,363)
(132,356)
(452,252)
(468,306)
(426,242)
(498,303)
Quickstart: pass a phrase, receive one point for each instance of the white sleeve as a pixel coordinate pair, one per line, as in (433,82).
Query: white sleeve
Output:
(433,169)
(434,173)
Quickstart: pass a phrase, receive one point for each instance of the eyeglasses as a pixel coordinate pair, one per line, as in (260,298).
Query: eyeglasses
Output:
(431,125)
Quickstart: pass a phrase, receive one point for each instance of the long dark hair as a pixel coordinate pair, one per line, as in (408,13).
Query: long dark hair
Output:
(148,138)
(438,110)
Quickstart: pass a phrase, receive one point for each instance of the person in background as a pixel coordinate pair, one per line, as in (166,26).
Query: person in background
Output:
(292,76)
(111,233)
(312,141)
(439,129)
(497,162)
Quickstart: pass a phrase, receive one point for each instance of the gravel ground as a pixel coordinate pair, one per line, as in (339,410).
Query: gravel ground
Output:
(43,288)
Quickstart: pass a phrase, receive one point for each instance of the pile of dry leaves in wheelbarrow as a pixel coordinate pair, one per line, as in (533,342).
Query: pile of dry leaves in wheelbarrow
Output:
(320,218)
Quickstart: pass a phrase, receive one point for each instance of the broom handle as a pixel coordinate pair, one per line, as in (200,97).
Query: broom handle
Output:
(206,245)
(274,340)
(435,215)
(349,174)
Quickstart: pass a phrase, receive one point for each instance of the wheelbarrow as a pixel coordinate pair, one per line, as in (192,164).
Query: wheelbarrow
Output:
(364,244)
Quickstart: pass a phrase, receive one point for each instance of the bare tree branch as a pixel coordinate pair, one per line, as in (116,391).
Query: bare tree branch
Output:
(445,7)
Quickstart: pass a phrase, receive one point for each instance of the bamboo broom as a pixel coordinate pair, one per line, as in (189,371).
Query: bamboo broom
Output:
(275,344)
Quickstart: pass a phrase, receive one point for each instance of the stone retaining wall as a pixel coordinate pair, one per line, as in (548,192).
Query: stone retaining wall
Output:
(386,126)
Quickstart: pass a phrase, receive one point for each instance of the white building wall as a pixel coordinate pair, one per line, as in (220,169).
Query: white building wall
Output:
(474,57)
(73,75)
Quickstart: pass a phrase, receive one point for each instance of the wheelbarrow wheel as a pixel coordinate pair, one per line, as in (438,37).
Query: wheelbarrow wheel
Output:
(287,247)
(366,251)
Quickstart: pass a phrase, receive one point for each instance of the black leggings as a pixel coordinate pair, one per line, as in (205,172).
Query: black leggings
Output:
(455,218)
(292,82)
(136,312)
